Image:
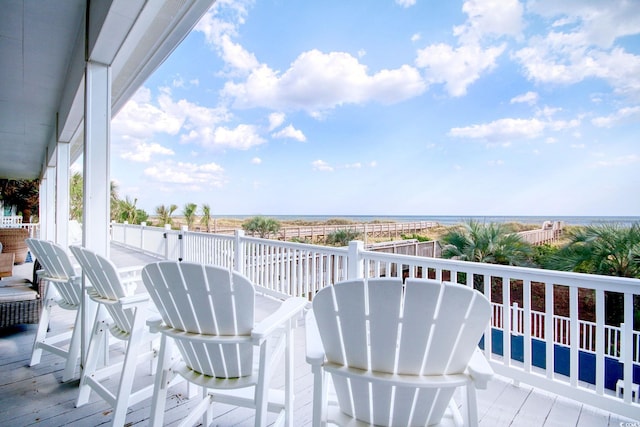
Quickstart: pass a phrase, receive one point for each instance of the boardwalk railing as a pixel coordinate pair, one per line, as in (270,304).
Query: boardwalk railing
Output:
(574,353)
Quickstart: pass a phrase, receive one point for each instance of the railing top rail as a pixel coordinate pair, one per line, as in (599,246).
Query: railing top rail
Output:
(592,281)
(299,246)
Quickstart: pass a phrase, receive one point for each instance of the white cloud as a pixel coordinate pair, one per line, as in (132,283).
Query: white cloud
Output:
(530,98)
(405,3)
(511,129)
(317,81)
(457,67)
(356,165)
(321,165)
(290,132)
(582,44)
(490,18)
(593,22)
(219,25)
(276,120)
(493,163)
(142,152)
(416,37)
(629,114)
(181,173)
(242,137)
(256,160)
(619,161)
(139,118)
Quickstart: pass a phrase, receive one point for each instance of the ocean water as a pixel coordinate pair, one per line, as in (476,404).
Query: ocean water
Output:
(452,219)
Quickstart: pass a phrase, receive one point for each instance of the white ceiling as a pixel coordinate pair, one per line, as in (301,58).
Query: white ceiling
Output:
(42,57)
(35,37)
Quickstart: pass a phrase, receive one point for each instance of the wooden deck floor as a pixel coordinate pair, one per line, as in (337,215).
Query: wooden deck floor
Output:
(36,396)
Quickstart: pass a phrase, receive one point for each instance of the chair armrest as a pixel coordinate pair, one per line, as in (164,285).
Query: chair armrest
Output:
(480,370)
(314,347)
(131,269)
(290,308)
(134,299)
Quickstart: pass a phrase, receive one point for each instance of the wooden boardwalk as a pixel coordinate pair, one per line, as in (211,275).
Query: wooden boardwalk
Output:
(35,395)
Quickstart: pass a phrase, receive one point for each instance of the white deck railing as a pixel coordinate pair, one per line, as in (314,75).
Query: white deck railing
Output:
(580,359)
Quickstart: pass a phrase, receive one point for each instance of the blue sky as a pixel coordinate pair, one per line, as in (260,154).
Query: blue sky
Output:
(405,107)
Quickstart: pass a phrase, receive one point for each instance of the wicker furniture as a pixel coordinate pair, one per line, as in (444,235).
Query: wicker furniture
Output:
(6,263)
(21,300)
(13,241)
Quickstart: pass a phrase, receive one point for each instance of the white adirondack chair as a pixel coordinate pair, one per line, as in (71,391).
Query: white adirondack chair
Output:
(127,316)
(208,312)
(395,353)
(66,293)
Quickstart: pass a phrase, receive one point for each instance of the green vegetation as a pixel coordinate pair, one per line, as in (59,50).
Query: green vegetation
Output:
(607,249)
(189,213)
(206,217)
(126,210)
(491,243)
(264,227)
(164,214)
(21,194)
(414,236)
(342,237)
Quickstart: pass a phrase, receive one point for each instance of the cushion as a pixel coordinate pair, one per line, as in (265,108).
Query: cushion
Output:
(14,281)
(17,293)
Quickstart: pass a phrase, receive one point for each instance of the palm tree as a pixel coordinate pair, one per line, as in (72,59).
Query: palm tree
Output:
(76,191)
(189,213)
(128,211)
(342,237)
(206,217)
(262,226)
(164,214)
(24,195)
(607,249)
(491,243)
(114,200)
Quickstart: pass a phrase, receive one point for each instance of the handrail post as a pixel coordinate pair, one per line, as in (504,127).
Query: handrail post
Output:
(355,261)
(143,224)
(167,228)
(183,231)
(239,251)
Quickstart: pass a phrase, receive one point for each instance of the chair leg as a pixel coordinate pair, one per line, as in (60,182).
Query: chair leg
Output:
(472,406)
(36,353)
(128,371)
(96,344)
(262,387)
(163,379)
(73,354)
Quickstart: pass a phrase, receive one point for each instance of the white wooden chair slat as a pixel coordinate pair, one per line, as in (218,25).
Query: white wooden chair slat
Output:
(208,312)
(353,323)
(65,290)
(328,321)
(384,315)
(419,306)
(438,324)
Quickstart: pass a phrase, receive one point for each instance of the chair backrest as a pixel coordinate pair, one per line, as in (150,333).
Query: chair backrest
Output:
(58,269)
(434,327)
(422,328)
(106,285)
(210,301)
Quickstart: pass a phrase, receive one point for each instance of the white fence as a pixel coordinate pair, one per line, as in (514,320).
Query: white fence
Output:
(286,268)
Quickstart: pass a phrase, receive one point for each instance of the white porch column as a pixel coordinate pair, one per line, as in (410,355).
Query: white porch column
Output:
(96,174)
(48,220)
(62,193)
(97,136)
